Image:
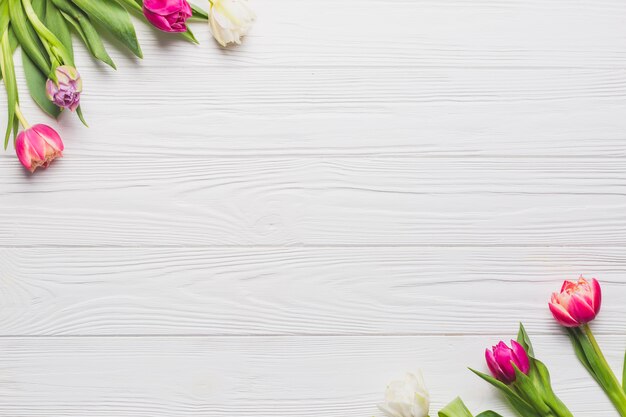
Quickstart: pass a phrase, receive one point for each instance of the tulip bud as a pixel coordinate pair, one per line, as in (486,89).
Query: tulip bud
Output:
(229,20)
(38,146)
(578,302)
(501,358)
(65,92)
(167,15)
(406,398)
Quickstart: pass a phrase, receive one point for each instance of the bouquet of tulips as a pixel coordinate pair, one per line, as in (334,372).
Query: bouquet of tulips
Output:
(43,30)
(518,375)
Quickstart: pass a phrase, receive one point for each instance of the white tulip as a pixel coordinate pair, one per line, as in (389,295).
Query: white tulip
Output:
(406,398)
(229,20)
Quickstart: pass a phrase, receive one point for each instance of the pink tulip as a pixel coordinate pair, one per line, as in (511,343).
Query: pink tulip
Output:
(578,302)
(167,15)
(501,359)
(38,146)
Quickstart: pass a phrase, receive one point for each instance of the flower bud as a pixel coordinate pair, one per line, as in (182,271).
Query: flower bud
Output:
(578,302)
(65,92)
(167,15)
(229,20)
(501,358)
(406,398)
(38,146)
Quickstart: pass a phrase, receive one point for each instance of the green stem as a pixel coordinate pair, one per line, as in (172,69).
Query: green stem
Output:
(614,389)
(20,117)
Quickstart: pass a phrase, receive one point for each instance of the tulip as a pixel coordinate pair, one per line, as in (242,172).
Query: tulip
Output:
(65,91)
(37,146)
(167,15)
(229,20)
(578,302)
(502,361)
(406,398)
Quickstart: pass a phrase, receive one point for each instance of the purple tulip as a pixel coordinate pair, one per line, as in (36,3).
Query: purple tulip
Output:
(501,360)
(65,91)
(167,15)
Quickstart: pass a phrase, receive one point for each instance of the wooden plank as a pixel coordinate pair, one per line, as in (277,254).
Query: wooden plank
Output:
(347,111)
(262,377)
(283,291)
(316,201)
(410,33)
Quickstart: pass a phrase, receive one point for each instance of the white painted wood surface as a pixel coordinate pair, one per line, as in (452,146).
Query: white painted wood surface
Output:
(279,229)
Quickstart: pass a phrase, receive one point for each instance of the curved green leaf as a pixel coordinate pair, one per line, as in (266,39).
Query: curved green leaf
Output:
(455,409)
(624,374)
(115,18)
(8,73)
(524,340)
(199,13)
(55,21)
(36,82)
(85,29)
(27,37)
(489,413)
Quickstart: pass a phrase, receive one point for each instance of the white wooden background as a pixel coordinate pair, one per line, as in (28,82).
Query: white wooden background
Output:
(361,189)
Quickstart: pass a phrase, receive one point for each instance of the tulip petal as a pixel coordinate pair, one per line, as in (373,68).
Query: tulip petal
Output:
(596,292)
(49,136)
(22,149)
(581,310)
(522,362)
(492,364)
(562,316)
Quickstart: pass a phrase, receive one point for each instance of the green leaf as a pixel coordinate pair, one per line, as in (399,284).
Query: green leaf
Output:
(520,404)
(589,357)
(85,29)
(55,21)
(27,37)
(489,413)
(524,340)
(531,392)
(40,8)
(133,5)
(79,112)
(189,36)
(10,82)
(455,409)
(36,82)
(624,374)
(55,49)
(115,18)
(580,352)
(199,13)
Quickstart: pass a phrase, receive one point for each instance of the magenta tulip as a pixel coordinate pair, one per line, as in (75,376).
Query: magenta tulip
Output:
(578,302)
(502,361)
(37,146)
(167,15)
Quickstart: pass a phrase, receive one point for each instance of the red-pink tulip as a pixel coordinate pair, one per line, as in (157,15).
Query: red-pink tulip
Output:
(37,146)
(167,15)
(501,360)
(578,302)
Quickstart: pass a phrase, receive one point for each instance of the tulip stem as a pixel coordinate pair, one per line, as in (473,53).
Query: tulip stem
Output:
(613,388)
(20,116)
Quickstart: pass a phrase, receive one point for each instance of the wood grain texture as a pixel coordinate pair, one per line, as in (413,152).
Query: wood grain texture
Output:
(284,291)
(317,201)
(348,111)
(359,190)
(261,376)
